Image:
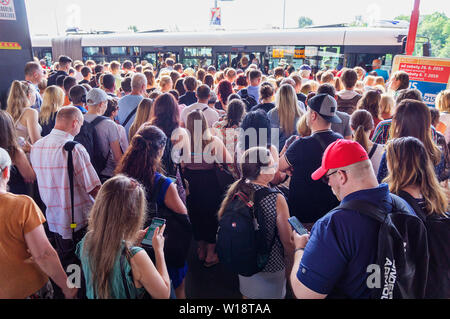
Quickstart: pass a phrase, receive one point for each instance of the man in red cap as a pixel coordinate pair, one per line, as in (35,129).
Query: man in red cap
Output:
(332,261)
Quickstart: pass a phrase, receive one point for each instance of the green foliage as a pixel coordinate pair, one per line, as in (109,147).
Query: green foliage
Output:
(436,27)
(304,22)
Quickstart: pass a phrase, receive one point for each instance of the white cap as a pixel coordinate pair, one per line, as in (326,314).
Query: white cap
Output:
(95,97)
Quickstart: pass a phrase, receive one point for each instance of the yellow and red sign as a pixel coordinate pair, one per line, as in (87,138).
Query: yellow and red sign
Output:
(10,46)
(428,75)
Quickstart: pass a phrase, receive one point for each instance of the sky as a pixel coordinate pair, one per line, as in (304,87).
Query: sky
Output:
(52,17)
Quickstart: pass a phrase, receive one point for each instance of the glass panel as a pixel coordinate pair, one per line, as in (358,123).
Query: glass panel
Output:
(330,57)
(200,51)
(118,50)
(193,63)
(91,51)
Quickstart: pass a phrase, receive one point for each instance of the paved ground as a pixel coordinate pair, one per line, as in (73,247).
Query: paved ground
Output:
(211,283)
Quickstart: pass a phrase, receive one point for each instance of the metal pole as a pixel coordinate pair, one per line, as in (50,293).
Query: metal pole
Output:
(284,13)
(414,21)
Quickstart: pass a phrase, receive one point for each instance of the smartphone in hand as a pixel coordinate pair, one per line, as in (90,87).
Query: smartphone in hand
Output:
(156,222)
(297,226)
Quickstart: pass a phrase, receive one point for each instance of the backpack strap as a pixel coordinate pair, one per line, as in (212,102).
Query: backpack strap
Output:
(320,140)
(69,146)
(205,109)
(369,209)
(98,119)
(129,117)
(373,150)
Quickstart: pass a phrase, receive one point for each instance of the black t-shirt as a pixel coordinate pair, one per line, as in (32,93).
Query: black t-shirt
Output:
(52,78)
(309,200)
(301,97)
(263,106)
(84,81)
(188,98)
(48,127)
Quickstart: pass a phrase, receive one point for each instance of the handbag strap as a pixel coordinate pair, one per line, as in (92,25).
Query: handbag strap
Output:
(129,117)
(122,271)
(372,151)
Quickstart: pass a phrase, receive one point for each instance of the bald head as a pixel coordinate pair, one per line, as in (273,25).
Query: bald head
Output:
(69,119)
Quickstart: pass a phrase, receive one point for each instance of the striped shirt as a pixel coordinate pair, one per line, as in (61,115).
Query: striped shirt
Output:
(49,161)
(381,133)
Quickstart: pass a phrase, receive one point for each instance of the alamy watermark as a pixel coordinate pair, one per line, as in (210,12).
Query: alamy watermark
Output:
(200,152)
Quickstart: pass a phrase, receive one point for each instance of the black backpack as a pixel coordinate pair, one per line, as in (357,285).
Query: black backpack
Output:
(438,233)
(89,138)
(402,253)
(241,238)
(247,99)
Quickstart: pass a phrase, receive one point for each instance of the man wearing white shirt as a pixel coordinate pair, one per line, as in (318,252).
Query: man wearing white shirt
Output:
(203,95)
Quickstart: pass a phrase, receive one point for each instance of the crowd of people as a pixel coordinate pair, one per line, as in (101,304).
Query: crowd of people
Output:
(89,152)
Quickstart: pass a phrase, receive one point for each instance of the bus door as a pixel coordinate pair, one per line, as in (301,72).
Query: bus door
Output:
(157,56)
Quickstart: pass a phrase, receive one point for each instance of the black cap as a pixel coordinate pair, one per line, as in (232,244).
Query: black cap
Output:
(326,106)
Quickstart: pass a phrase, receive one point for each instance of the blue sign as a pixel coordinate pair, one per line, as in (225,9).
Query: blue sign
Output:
(429,89)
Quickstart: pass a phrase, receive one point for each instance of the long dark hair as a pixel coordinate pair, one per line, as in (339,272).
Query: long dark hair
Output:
(413,118)
(235,112)
(259,121)
(166,114)
(141,159)
(252,161)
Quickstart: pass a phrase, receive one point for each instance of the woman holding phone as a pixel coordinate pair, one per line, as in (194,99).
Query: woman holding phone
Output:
(113,264)
(142,161)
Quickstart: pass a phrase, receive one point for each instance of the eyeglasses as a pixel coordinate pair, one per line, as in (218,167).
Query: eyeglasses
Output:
(326,177)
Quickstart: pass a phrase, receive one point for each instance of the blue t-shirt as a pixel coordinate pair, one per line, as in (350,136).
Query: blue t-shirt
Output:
(382,73)
(253,91)
(341,246)
(126,105)
(164,188)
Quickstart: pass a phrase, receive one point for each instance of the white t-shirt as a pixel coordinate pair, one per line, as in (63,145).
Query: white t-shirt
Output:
(211,115)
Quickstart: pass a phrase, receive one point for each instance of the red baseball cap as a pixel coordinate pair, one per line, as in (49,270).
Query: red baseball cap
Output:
(340,153)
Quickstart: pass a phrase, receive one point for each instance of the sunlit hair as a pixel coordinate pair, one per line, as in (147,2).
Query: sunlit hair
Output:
(361,121)
(302,128)
(252,161)
(204,136)
(165,82)
(53,100)
(143,115)
(409,165)
(443,101)
(386,104)
(287,105)
(413,118)
(8,136)
(371,102)
(118,214)
(18,98)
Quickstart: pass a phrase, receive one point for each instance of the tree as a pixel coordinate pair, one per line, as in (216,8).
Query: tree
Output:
(133,28)
(436,27)
(304,22)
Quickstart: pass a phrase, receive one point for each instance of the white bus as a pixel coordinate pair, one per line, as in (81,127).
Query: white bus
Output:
(319,47)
